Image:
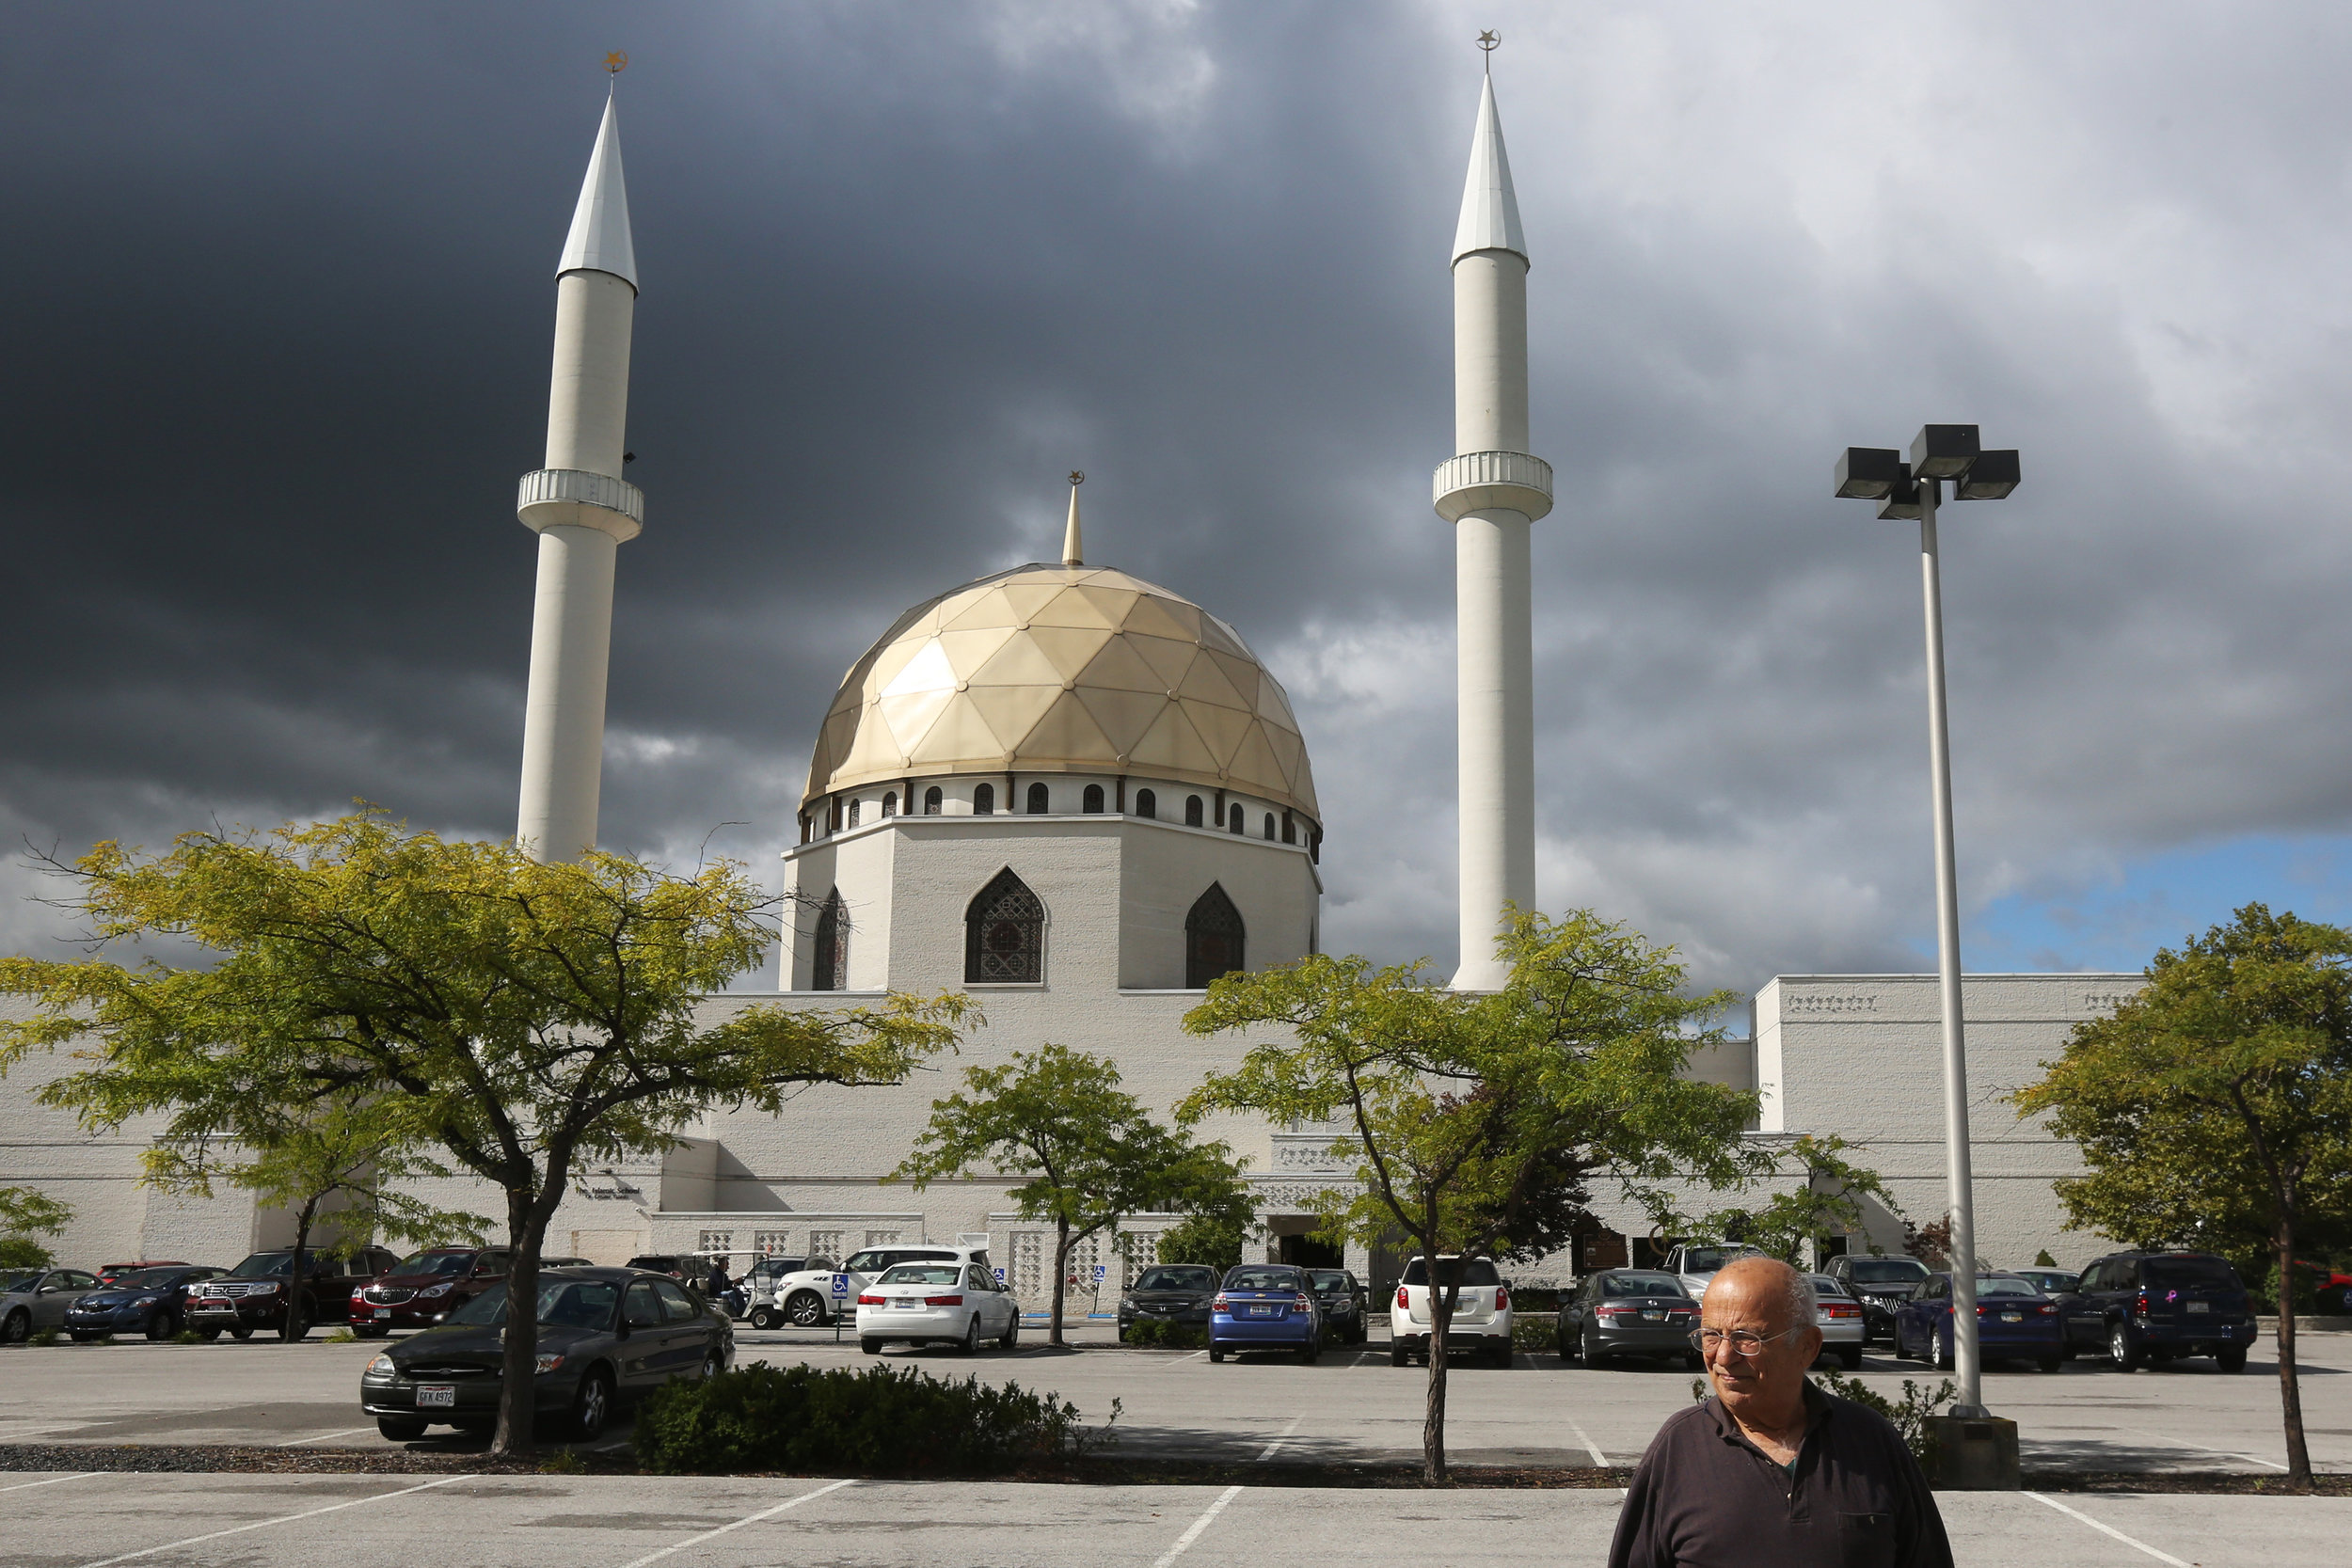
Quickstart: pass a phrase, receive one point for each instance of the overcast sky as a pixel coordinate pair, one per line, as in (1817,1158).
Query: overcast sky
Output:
(278,302)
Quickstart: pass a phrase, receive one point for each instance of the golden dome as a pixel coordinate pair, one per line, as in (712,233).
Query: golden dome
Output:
(1058,669)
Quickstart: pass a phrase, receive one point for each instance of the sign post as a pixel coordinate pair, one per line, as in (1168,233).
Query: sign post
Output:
(840,1301)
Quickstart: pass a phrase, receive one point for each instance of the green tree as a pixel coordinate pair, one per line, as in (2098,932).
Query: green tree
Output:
(2214,1106)
(1475,1123)
(26,1215)
(1828,1202)
(518,1017)
(1216,1240)
(1092,1153)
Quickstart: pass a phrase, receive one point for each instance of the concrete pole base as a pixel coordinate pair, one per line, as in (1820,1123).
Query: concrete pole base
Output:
(1972,1453)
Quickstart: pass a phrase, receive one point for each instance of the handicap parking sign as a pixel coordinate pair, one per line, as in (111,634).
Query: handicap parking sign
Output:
(1000,1277)
(840,1286)
(1100,1271)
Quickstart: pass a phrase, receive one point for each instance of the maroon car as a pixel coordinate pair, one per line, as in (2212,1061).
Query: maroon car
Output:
(253,1294)
(426,1287)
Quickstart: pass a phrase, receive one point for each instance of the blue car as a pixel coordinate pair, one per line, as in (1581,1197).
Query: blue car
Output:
(2014,1321)
(147,1300)
(1265,1307)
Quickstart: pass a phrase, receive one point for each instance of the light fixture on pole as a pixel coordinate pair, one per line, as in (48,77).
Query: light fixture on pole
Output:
(1906,490)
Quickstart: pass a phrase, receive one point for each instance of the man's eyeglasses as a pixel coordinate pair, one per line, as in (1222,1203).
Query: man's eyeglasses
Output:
(1743,1341)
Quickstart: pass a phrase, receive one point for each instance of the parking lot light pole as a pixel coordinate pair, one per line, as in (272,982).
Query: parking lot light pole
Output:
(1907,490)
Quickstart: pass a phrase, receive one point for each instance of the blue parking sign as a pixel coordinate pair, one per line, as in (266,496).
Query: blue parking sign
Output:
(840,1287)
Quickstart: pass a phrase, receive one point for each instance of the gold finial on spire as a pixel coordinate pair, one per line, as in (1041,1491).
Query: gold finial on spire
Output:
(616,62)
(1071,553)
(1489,42)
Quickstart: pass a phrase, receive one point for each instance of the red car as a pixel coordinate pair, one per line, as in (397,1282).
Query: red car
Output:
(109,1272)
(424,1288)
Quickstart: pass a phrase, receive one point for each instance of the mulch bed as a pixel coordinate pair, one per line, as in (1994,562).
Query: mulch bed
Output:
(220,1459)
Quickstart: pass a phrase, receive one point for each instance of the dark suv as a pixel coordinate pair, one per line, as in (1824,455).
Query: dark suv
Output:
(2154,1306)
(1881,1284)
(425,1287)
(253,1294)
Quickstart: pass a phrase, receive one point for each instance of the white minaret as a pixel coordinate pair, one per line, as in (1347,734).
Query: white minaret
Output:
(581,509)
(1490,491)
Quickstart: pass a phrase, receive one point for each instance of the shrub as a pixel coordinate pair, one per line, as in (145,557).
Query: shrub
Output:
(1909,1418)
(1147,1330)
(563,1462)
(23,1252)
(45,1336)
(1535,1331)
(187,1337)
(878,1421)
(1203,1239)
(341,1336)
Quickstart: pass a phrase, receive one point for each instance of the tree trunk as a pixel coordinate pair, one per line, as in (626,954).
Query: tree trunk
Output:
(2290,1391)
(518,1344)
(1442,1302)
(296,1321)
(1061,1280)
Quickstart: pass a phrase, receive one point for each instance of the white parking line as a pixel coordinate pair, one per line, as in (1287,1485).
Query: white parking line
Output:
(1184,1541)
(1196,1355)
(1282,1437)
(27,1485)
(2109,1529)
(2200,1448)
(281,1519)
(321,1437)
(1590,1447)
(751,1519)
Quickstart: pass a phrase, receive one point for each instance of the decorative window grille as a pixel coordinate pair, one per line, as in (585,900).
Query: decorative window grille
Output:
(1092,803)
(933,799)
(1038,801)
(1003,940)
(1028,1259)
(831,968)
(890,802)
(1192,810)
(825,1244)
(1147,804)
(772,1243)
(1213,938)
(1232,821)
(856,806)
(984,799)
(715,1241)
(1142,1250)
(882,1238)
(1084,1256)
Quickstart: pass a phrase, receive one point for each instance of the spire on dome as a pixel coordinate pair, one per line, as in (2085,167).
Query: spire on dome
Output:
(1491,208)
(1071,554)
(599,240)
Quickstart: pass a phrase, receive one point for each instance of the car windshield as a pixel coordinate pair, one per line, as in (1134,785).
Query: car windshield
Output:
(10,1282)
(2173,1274)
(1247,1278)
(1643,1285)
(147,1278)
(2051,1279)
(1177,1276)
(1328,1280)
(562,1304)
(264,1266)
(434,1262)
(921,1274)
(2005,1288)
(1888,1271)
(1824,1286)
(774,1268)
(1478,1270)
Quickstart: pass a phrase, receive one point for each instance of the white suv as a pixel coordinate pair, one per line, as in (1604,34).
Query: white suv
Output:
(1695,1263)
(806,1300)
(1482,1311)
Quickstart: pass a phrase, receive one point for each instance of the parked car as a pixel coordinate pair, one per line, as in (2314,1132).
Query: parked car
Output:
(2050,1282)
(1168,1293)
(425,1287)
(2154,1306)
(1645,1313)
(684,1267)
(1881,1284)
(1482,1311)
(945,1302)
(2013,1321)
(34,1298)
(1839,1314)
(607,1338)
(761,1280)
(567,1262)
(1264,1306)
(109,1272)
(148,1300)
(805,1298)
(1694,1264)
(2330,1286)
(1344,1303)
(253,1295)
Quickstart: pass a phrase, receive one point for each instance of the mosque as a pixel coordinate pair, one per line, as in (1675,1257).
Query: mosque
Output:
(1080,796)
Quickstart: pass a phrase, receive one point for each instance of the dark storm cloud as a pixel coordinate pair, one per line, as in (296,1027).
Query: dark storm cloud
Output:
(279,308)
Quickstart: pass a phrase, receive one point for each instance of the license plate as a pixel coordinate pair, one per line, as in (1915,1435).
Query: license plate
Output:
(438,1396)
(1653,1317)
(1262,1311)
(383,1312)
(905,1304)
(2200,1307)
(2012,1317)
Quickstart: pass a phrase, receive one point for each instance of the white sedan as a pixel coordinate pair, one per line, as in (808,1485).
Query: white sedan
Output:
(1838,1315)
(937,1304)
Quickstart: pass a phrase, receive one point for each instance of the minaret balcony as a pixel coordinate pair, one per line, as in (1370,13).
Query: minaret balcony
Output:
(1482,481)
(550,498)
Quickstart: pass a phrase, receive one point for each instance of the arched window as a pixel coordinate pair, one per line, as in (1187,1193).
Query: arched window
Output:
(932,800)
(1003,934)
(1192,810)
(1036,799)
(983,800)
(1091,801)
(1147,805)
(1232,819)
(1269,826)
(1213,938)
(854,806)
(831,970)
(890,802)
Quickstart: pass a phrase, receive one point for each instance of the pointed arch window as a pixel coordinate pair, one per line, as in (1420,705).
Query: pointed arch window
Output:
(890,802)
(1147,805)
(1038,799)
(1192,810)
(984,799)
(1213,938)
(1091,801)
(831,970)
(932,800)
(1003,934)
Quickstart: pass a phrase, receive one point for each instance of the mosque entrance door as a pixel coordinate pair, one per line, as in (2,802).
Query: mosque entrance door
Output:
(1308,1253)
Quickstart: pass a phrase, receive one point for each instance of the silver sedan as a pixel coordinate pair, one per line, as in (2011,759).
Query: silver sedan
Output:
(34,1298)
(1839,1317)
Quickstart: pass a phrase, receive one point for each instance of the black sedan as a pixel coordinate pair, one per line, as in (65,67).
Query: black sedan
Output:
(1344,1301)
(1636,1312)
(607,1338)
(147,1300)
(1168,1293)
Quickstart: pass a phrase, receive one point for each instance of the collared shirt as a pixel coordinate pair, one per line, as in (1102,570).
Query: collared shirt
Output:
(1704,1497)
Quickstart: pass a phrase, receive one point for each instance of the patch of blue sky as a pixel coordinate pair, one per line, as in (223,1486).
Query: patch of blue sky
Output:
(2157,901)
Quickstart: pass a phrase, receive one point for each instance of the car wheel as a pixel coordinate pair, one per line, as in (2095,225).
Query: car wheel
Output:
(159,1326)
(208,1335)
(2231,1358)
(1310,1353)
(592,1407)
(804,1309)
(399,1429)
(714,1363)
(1397,1352)
(2121,1354)
(1012,1335)
(1942,1349)
(241,1332)
(1849,1357)
(871,1347)
(971,1345)
(18,1330)
(1216,1352)
(1590,1351)
(2051,1363)
(1693,1362)
(762,1318)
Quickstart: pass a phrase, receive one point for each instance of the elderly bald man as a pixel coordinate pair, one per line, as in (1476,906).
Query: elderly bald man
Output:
(1772,1472)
